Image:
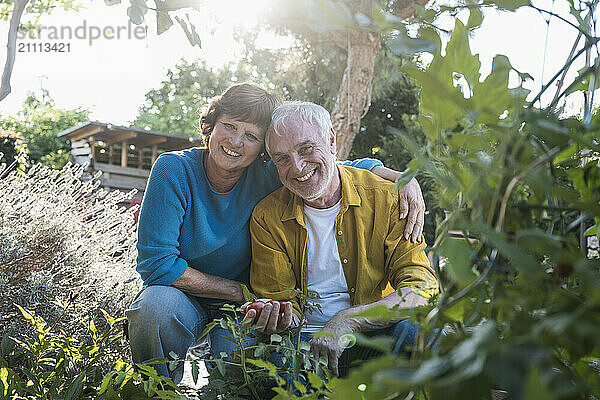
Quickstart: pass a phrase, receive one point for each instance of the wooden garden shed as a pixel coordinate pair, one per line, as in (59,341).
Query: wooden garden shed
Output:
(124,155)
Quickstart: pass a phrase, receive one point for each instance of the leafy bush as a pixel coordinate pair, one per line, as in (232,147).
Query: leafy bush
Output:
(520,299)
(62,237)
(50,365)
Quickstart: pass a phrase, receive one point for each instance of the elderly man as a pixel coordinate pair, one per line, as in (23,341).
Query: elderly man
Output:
(332,231)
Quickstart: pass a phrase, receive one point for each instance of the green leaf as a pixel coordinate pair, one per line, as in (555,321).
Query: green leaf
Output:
(220,366)
(567,154)
(509,5)
(535,387)
(314,380)
(382,343)
(457,310)
(195,371)
(459,260)
(4,380)
(6,346)
(265,364)
(208,328)
(76,387)
(384,313)
(136,11)
(29,316)
(304,346)
(403,180)
(591,231)
(459,57)
(190,31)
(260,350)
(92,328)
(248,295)
(299,386)
(275,338)
(108,318)
(163,22)
(475,19)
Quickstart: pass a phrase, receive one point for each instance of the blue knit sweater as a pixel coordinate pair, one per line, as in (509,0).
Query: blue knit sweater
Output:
(184,222)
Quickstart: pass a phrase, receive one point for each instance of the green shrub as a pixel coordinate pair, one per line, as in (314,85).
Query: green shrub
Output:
(50,365)
(61,236)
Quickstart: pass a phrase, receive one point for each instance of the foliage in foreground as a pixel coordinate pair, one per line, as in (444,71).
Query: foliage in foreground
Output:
(520,300)
(53,366)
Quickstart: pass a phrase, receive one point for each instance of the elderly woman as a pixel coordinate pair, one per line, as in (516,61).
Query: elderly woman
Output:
(193,234)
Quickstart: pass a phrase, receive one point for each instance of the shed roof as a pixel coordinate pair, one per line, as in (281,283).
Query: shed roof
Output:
(110,134)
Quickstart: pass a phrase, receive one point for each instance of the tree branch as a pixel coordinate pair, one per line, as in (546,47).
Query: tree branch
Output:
(11,47)
(541,160)
(559,73)
(564,74)
(540,10)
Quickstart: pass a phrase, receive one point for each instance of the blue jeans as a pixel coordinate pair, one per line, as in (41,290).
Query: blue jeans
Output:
(163,319)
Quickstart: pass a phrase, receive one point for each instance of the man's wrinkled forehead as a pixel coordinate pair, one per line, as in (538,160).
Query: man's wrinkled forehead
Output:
(295,124)
(294,130)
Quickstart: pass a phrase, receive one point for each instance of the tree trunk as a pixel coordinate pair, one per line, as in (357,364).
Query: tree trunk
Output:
(354,96)
(11,46)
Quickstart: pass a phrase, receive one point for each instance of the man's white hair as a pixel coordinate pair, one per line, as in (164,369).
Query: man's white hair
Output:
(306,111)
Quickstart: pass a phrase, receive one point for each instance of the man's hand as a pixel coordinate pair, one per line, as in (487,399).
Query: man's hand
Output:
(329,348)
(275,316)
(412,207)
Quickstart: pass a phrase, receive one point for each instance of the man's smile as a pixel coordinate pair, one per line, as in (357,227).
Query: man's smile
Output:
(305,177)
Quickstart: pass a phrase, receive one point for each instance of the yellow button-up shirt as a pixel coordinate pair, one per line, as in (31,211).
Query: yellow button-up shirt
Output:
(369,235)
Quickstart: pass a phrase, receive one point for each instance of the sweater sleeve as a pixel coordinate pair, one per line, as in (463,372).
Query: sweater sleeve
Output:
(362,163)
(160,221)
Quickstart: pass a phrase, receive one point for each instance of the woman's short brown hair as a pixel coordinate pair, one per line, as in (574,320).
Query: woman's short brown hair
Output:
(246,102)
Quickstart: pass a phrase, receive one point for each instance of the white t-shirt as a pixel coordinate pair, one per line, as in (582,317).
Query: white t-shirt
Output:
(325,272)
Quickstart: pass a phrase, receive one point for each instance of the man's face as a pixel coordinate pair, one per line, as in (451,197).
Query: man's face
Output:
(304,159)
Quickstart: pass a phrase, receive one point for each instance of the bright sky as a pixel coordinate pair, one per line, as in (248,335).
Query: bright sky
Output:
(110,77)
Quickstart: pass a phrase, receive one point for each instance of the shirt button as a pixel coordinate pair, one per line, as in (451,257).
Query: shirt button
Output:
(339,233)
(345,261)
(352,290)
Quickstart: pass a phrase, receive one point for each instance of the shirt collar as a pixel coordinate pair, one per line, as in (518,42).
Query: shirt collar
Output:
(350,197)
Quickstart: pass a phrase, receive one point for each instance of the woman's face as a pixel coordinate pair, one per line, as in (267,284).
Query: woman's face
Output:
(235,144)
